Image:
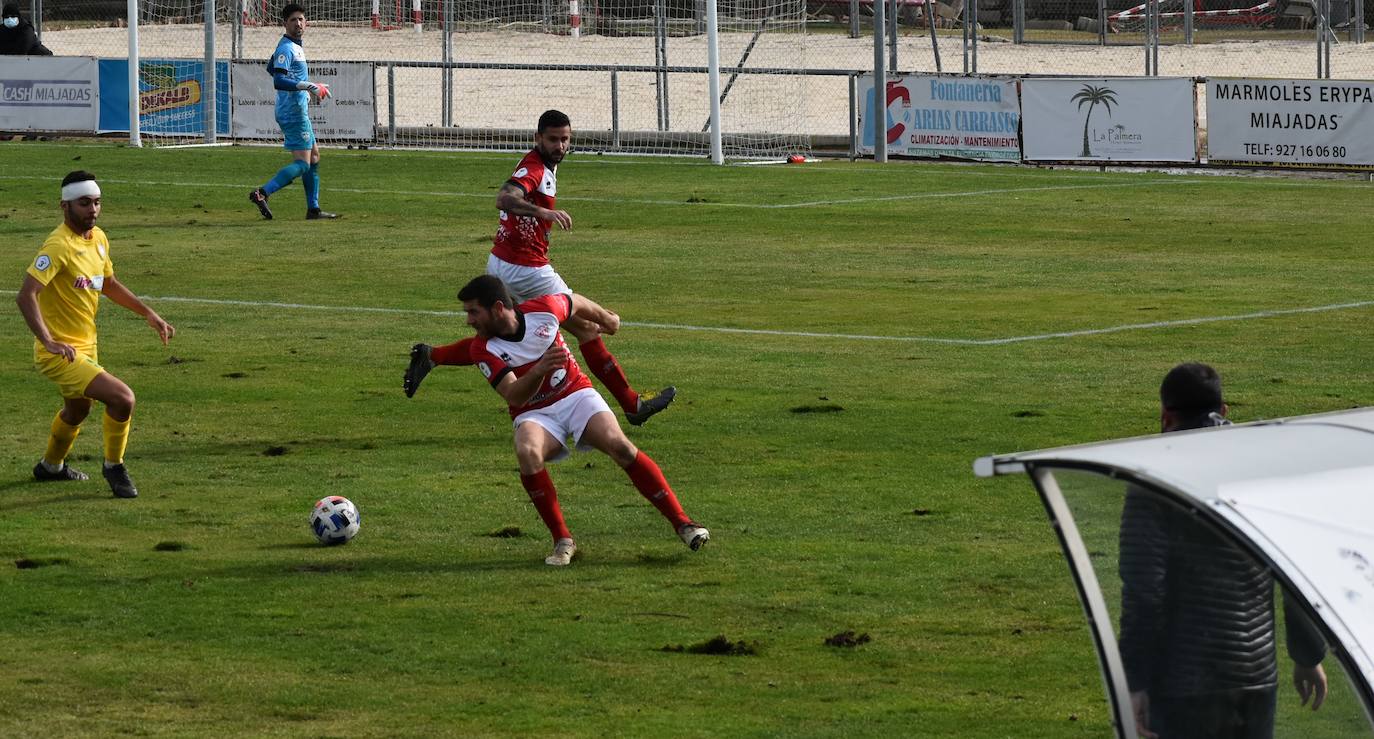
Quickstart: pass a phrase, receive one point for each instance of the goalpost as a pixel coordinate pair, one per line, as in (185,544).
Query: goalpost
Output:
(717,78)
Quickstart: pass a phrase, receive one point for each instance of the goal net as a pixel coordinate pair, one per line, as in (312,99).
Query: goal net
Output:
(477,73)
(630,73)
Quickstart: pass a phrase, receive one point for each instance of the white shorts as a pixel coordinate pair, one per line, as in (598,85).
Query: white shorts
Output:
(567,418)
(527,283)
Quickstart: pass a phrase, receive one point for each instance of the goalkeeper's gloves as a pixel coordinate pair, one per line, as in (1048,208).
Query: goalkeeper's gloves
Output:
(318,90)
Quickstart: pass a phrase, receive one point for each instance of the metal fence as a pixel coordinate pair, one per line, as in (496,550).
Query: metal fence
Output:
(634,71)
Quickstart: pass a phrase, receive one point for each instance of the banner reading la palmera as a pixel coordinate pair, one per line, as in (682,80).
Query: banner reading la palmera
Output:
(1291,122)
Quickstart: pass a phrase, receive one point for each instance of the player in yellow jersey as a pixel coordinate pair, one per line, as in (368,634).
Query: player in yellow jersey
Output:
(59,300)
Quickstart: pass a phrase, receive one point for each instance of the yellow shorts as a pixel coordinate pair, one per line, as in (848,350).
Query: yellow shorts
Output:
(71,377)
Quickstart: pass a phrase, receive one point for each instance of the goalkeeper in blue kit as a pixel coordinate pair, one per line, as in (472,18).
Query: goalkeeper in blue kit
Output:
(295,92)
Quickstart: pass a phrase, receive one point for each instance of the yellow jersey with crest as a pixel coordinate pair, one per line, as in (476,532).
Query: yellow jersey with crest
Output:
(73,270)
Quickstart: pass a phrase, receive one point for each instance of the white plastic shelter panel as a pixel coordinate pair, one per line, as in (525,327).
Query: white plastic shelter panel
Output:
(1296,122)
(930,116)
(49,93)
(1114,119)
(346,115)
(1321,522)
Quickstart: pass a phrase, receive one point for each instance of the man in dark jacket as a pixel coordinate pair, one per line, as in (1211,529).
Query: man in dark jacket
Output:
(17,37)
(1197,613)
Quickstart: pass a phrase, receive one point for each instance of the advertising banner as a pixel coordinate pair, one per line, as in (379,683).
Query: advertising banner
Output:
(1301,123)
(49,93)
(171,96)
(930,116)
(1122,119)
(348,113)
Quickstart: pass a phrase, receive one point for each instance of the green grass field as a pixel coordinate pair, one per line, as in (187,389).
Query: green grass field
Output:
(824,431)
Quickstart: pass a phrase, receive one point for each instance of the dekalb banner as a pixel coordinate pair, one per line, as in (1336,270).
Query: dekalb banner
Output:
(49,93)
(1298,123)
(928,116)
(346,115)
(1126,119)
(171,96)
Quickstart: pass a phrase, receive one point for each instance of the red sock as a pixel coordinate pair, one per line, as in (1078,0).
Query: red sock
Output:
(649,480)
(607,370)
(545,500)
(459,352)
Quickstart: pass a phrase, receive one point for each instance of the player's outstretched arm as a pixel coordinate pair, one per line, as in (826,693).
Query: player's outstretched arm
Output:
(607,322)
(28,307)
(115,291)
(283,81)
(512,200)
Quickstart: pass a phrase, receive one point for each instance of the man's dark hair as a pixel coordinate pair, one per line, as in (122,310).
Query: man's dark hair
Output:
(553,119)
(290,8)
(487,290)
(79,175)
(1192,390)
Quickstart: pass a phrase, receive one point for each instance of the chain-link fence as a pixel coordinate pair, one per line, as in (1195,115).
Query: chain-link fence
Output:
(632,72)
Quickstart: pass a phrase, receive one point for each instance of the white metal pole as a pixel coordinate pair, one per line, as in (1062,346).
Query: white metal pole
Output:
(415,16)
(713,80)
(879,117)
(574,19)
(211,92)
(134,99)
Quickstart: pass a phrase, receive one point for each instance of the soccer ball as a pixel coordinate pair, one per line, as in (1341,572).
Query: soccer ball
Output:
(335,520)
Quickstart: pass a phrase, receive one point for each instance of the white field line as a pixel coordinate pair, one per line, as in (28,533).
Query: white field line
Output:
(636,201)
(799,334)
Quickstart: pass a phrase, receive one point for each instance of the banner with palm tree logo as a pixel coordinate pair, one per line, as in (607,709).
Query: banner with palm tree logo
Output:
(1122,119)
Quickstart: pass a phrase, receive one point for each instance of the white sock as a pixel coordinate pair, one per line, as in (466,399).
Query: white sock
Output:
(53,467)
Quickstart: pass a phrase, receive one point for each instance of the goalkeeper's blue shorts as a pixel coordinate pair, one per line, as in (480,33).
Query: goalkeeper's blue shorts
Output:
(300,135)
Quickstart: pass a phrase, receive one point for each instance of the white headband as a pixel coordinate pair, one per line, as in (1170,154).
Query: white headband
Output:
(77,190)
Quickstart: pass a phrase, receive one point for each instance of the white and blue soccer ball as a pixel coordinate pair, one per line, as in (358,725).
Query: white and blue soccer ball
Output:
(335,520)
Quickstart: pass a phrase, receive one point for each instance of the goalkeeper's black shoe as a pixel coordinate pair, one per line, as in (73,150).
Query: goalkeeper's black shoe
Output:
(120,484)
(420,365)
(259,198)
(42,474)
(651,403)
(315,214)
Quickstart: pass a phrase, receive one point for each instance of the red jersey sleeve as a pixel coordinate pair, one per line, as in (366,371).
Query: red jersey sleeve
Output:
(491,366)
(528,175)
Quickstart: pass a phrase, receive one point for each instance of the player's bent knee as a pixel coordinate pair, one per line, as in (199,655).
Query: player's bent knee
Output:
(623,451)
(529,453)
(75,410)
(117,397)
(626,459)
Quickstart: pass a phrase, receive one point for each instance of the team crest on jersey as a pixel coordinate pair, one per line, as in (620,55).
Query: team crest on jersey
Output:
(520,173)
(544,331)
(557,377)
(42,263)
(281,59)
(485,368)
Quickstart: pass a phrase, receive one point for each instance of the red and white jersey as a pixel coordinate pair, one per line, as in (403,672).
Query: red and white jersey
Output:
(524,240)
(538,330)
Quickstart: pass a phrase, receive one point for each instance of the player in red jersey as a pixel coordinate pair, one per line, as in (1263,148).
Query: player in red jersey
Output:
(521,353)
(520,257)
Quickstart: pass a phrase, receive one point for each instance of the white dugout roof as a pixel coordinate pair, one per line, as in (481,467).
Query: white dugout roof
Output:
(1299,492)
